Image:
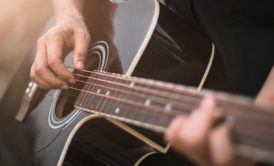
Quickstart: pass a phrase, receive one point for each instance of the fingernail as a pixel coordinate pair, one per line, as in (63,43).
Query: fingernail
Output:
(207,101)
(80,64)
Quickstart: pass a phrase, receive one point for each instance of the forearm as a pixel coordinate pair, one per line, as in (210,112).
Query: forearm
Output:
(66,10)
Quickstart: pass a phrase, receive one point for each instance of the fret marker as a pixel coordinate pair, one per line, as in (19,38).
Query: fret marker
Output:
(107,94)
(131,84)
(117,110)
(168,107)
(99,90)
(147,102)
(27,90)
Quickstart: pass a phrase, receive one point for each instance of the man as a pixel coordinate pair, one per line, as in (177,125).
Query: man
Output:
(229,26)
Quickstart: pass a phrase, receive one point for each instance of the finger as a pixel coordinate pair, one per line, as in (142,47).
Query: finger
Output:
(193,136)
(37,80)
(40,71)
(80,50)
(55,58)
(48,80)
(199,124)
(174,128)
(221,147)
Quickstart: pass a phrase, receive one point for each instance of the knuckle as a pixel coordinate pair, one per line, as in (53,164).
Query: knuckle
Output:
(84,35)
(54,62)
(80,53)
(39,70)
(41,40)
(53,35)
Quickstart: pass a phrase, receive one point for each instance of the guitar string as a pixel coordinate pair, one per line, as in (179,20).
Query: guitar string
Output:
(162,101)
(95,85)
(150,88)
(120,77)
(159,93)
(239,130)
(239,124)
(174,112)
(144,81)
(242,117)
(90,77)
(87,71)
(186,93)
(138,90)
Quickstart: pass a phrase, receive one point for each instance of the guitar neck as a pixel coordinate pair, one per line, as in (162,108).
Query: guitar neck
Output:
(154,104)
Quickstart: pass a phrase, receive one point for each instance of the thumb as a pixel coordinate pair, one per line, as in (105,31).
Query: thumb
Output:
(80,50)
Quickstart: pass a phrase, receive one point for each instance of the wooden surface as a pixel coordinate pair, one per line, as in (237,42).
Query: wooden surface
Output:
(21,21)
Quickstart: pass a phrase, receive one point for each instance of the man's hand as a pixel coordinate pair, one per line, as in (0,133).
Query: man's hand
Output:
(205,144)
(48,69)
(69,33)
(196,137)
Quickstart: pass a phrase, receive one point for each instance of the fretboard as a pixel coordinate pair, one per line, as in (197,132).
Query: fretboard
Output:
(154,104)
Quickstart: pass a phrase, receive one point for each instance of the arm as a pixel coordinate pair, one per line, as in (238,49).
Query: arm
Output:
(66,10)
(205,144)
(69,32)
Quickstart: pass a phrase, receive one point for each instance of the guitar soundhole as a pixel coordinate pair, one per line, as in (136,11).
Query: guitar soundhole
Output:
(67,98)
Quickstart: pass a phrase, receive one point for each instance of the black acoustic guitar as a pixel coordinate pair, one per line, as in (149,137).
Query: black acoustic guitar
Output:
(134,38)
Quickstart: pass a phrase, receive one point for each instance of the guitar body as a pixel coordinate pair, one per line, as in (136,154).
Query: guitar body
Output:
(125,41)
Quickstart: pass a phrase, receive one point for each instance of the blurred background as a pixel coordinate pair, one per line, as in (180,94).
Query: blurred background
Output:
(21,22)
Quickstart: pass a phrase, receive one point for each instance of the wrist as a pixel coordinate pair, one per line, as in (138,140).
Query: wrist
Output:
(68,10)
(68,18)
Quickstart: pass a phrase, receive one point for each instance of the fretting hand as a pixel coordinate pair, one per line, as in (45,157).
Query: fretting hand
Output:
(208,145)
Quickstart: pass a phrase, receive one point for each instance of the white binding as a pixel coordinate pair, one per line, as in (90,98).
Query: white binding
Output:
(146,40)
(201,84)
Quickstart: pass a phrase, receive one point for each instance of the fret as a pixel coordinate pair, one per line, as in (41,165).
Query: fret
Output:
(93,99)
(82,97)
(135,114)
(143,111)
(146,89)
(125,109)
(158,85)
(90,98)
(166,120)
(140,92)
(113,105)
(102,100)
(153,105)
(107,106)
(116,108)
